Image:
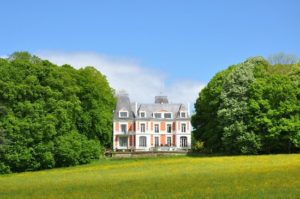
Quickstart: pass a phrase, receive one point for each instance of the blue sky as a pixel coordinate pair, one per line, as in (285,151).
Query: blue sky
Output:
(185,40)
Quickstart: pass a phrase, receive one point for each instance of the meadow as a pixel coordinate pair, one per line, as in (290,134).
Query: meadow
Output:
(265,176)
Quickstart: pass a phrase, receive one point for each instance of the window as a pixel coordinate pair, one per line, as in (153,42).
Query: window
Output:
(169,128)
(183,114)
(183,141)
(157,115)
(156,128)
(183,128)
(143,114)
(143,128)
(156,141)
(169,141)
(123,128)
(123,114)
(123,141)
(168,115)
(143,141)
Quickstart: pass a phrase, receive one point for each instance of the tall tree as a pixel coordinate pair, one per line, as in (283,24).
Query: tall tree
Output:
(253,107)
(233,112)
(45,108)
(206,124)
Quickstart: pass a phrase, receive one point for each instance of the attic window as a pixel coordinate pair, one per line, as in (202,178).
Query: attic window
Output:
(123,114)
(168,115)
(183,114)
(143,114)
(157,115)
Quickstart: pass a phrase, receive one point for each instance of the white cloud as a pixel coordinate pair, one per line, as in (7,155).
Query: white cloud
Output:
(141,83)
(184,91)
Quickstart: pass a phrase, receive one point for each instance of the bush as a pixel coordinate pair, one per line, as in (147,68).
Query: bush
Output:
(74,148)
(4,169)
(198,146)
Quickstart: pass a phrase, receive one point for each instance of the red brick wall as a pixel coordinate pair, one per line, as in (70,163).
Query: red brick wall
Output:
(130,126)
(131,140)
(163,139)
(174,140)
(117,126)
(162,126)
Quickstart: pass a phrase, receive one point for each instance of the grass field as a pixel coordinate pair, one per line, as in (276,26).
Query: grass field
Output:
(272,176)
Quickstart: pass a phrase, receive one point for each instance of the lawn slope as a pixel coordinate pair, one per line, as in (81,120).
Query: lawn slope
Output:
(272,176)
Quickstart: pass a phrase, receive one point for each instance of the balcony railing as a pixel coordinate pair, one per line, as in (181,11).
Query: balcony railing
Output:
(124,132)
(168,148)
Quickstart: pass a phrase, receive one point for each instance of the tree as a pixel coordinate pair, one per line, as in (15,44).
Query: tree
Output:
(275,113)
(205,122)
(282,58)
(233,112)
(44,106)
(251,108)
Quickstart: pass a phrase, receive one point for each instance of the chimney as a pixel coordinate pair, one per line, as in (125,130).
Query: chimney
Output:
(135,109)
(161,100)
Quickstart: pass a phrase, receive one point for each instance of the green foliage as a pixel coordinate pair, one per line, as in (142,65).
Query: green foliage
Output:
(250,108)
(42,105)
(4,169)
(274,108)
(205,121)
(197,146)
(233,112)
(74,148)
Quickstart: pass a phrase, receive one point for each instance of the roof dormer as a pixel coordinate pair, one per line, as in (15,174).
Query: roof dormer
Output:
(142,114)
(123,114)
(183,114)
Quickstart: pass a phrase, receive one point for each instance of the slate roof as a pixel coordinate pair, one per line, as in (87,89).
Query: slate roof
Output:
(123,103)
(151,108)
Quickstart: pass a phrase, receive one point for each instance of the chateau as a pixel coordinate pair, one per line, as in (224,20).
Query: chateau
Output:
(160,126)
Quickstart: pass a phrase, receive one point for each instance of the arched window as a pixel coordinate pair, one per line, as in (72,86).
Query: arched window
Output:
(143,141)
(183,141)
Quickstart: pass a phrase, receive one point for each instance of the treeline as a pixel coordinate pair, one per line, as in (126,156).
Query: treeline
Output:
(51,116)
(250,108)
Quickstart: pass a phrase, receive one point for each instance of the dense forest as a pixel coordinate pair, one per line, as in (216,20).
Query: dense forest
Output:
(51,116)
(250,108)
